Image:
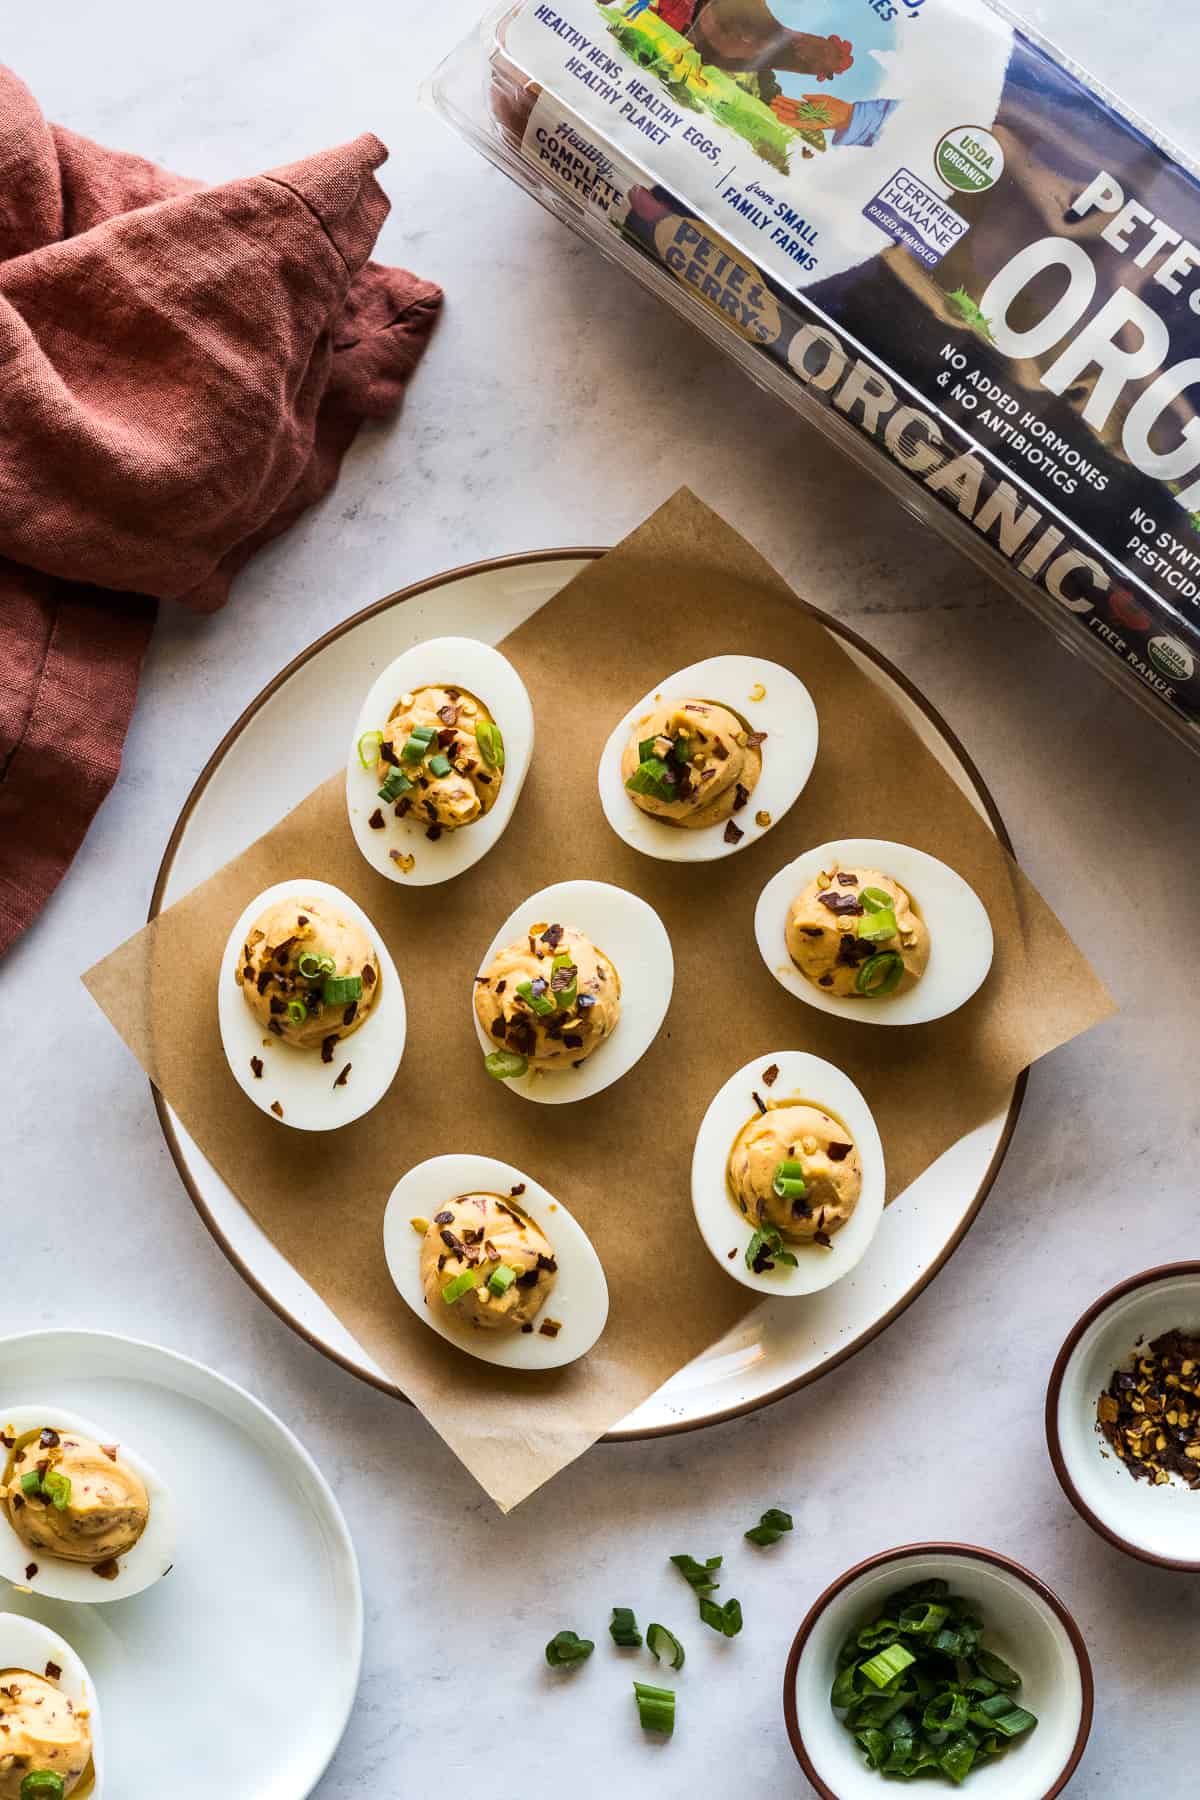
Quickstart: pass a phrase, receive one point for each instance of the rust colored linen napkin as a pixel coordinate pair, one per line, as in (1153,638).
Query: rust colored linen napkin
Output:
(182,369)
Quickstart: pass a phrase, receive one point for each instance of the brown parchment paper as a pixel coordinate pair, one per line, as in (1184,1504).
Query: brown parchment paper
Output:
(682,587)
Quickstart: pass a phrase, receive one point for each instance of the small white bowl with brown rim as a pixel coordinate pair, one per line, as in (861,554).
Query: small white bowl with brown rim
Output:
(1157,1524)
(1024,1622)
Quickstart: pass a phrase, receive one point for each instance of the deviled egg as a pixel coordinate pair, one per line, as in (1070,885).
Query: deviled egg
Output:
(788,1180)
(304,971)
(572,990)
(494,1263)
(709,759)
(440,752)
(84,1518)
(874,930)
(49,1717)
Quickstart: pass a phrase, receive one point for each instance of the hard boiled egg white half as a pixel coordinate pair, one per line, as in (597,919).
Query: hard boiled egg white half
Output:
(55,1577)
(634,938)
(960,932)
(29,1647)
(483,673)
(578,1301)
(805,1079)
(311,1095)
(765,697)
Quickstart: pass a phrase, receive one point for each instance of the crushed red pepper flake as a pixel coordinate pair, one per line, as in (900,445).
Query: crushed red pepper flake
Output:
(1150,1412)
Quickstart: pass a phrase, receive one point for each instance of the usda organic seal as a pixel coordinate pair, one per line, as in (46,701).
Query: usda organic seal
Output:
(970,159)
(1171,658)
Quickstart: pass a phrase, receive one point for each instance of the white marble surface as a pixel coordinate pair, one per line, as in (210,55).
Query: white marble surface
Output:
(558,405)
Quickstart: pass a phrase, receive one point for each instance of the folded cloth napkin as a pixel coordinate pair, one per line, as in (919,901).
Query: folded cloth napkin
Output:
(182,369)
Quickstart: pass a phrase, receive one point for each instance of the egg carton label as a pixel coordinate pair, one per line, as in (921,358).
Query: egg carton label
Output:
(1012,314)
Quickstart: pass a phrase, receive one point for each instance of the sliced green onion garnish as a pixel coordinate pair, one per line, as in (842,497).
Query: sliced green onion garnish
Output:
(491,744)
(660,1642)
(566,1648)
(767,1246)
(646,749)
(505,1065)
(31,1483)
(337,989)
(624,1629)
(647,778)
(880,974)
(314,963)
(770,1527)
(460,1285)
(416,745)
(726,1619)
(57,1489)
(656,1707)
(698,1575)
(395,783)
(877,927)
(877,900)
(542,1004)
(368,748)
(788,1181)
(297,1012)
(681,749)
(886,1664)
(43,1784)
(439,765)
(500,1280)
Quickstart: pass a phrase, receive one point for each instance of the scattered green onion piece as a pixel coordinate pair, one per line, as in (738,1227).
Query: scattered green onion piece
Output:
(885,1664)
(877,927)
(767,1240)
(459,1285)
(566,1648)
(439,765)
(681,748)
(336,990)
(395,783)
(505,1065)
(656,1707)
(788,1188)
(726,1619)
(297,1012)
(500,1280)
(660,1642)
(57,1489)
(698,1575)
(770,1527)
(43,1784)
(646,749)
(624,1630)
(491,744)
(880,974)
(368,748)
(31,1483)
(877,900)
(542,1004)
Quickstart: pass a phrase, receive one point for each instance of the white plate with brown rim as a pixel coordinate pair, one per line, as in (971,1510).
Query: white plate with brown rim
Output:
(780,1346)
(264,1605)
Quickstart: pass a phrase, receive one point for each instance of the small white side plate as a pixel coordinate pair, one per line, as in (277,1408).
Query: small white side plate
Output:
(579,1299)
(635,940)
(264,1602)
(960,932)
